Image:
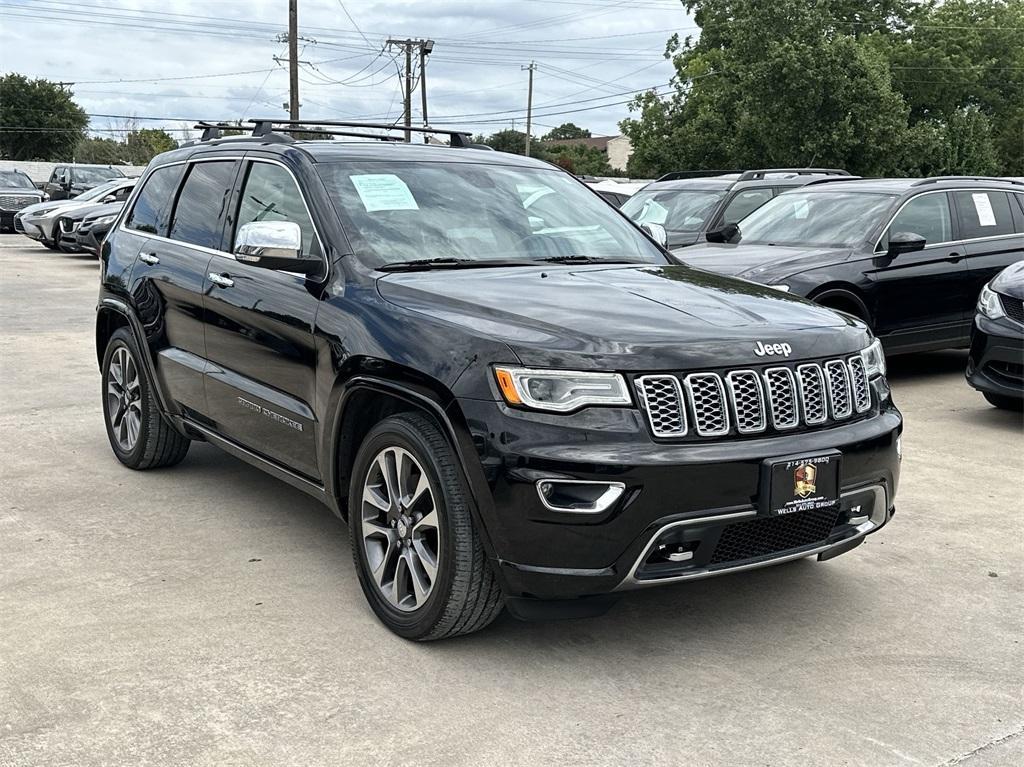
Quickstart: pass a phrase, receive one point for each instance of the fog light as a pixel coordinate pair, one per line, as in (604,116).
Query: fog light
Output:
(578,496)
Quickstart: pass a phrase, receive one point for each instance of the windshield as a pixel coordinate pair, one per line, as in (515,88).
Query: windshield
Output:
(96,175)
(408,211)
(14,180)
(99,191)
(822,219)
(678,210)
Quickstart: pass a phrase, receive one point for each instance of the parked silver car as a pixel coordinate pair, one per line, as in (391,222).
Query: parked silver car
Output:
(40,221)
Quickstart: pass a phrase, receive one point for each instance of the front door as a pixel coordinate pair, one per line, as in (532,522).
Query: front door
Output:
(261,379)
(919,297)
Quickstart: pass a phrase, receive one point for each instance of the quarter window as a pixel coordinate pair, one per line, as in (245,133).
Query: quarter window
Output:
(270,194)
(927,216)
(983,214)
(149,212)
(199,214)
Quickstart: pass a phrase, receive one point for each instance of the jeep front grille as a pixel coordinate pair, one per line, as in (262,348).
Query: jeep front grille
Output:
(753,401)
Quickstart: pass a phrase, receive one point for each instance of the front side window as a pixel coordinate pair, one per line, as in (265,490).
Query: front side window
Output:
(678,210)
(407,211)
(815,219)
(199,214)
(744,203)
(270,194)
(983,214)
(927,216)
(149,214)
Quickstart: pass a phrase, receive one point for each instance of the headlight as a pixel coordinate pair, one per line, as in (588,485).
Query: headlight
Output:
(45,211)
(101,220)
(46,197)
(560,391)
(989,304)
(874,359)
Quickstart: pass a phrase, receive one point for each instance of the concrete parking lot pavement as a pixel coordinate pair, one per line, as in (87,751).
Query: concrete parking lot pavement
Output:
(209,615)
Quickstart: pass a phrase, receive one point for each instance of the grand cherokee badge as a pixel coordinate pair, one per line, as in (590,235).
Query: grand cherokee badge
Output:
(803,480)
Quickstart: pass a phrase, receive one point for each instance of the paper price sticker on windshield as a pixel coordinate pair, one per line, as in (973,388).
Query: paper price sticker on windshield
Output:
(983,206)
(383,191)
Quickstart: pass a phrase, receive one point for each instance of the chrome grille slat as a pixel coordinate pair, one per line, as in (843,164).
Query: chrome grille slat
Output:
(746,402)
(663,401)
(838,389)
(781,388)
(15,202)
(812,393)
(747,399)
(859,383)
(707,398)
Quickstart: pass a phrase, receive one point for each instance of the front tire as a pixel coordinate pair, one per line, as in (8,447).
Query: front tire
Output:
(419,558)
(139,435)
(1003,402)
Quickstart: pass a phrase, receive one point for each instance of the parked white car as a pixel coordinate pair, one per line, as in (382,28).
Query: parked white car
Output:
(39,221)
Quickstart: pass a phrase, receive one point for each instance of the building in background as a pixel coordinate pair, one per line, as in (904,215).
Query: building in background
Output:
(617,148)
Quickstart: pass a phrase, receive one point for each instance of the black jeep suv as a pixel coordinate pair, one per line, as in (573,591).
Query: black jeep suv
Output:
(907,256)
(505,411)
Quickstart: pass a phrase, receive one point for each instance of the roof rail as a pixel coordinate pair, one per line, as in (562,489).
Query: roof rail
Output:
(832,180)
(937,179)
(751,175)
(681,174)
(264,126)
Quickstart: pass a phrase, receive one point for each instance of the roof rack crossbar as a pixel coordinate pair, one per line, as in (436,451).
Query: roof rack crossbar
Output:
(937,179)
(760,173)
(262,126)
(348,133)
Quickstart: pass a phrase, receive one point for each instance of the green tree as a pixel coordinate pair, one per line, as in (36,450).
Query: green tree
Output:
(511,141)
(101,151)
(145,144)
(39,120)
(774,84)
(579,159)
(565,131)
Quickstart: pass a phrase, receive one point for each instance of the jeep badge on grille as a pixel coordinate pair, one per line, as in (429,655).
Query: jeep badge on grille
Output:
(772,350)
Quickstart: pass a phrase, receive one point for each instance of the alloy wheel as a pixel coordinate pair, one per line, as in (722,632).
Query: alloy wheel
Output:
(401,534)
(124,399)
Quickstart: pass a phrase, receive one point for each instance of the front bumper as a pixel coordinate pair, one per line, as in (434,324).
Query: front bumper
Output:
(38,227)
(701,497)
(996,361)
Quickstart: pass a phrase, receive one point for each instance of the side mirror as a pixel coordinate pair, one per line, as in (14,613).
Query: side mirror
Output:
(274,245)
(905,242)
(110,198)
(724,233)
(657,233)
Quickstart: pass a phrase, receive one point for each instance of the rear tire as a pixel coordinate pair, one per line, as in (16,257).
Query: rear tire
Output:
(139,435)
(419,558)
(1003,402)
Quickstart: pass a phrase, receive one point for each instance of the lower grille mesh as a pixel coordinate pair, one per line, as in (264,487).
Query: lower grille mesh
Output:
(771,535)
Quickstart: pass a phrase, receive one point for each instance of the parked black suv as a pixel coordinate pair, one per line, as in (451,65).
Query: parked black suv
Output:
(67,181)
(995,366)
(505,411)
(689,206)
(907,256)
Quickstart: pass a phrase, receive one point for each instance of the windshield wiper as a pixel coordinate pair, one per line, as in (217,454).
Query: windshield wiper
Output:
(577,259)
(449,263)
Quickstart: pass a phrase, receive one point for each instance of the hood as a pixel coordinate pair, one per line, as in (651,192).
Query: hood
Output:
(104,209)
(763,263)
(21,191)
(79,212)
(32,210)
(624,318)
(1010,281)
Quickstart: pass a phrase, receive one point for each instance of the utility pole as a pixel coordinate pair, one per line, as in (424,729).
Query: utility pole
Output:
(293,59)
(425,47)
(529,104)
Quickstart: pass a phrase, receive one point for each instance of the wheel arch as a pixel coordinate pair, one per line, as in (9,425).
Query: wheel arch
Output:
(844,297)
(112,314)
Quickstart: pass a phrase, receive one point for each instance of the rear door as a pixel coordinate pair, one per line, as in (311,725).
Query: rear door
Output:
(920,296)
(261,380)
(185,224)
(992,235)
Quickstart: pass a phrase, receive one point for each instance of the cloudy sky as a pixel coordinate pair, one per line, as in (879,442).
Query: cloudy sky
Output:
(188,60)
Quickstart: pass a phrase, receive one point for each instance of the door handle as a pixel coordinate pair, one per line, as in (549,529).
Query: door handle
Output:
(221,279)
(954,257)
(149,258)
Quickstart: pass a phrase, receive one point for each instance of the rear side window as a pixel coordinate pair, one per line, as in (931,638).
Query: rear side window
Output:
(149,214)
(199,215)
(983,214)
(927,216)
(743,203)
